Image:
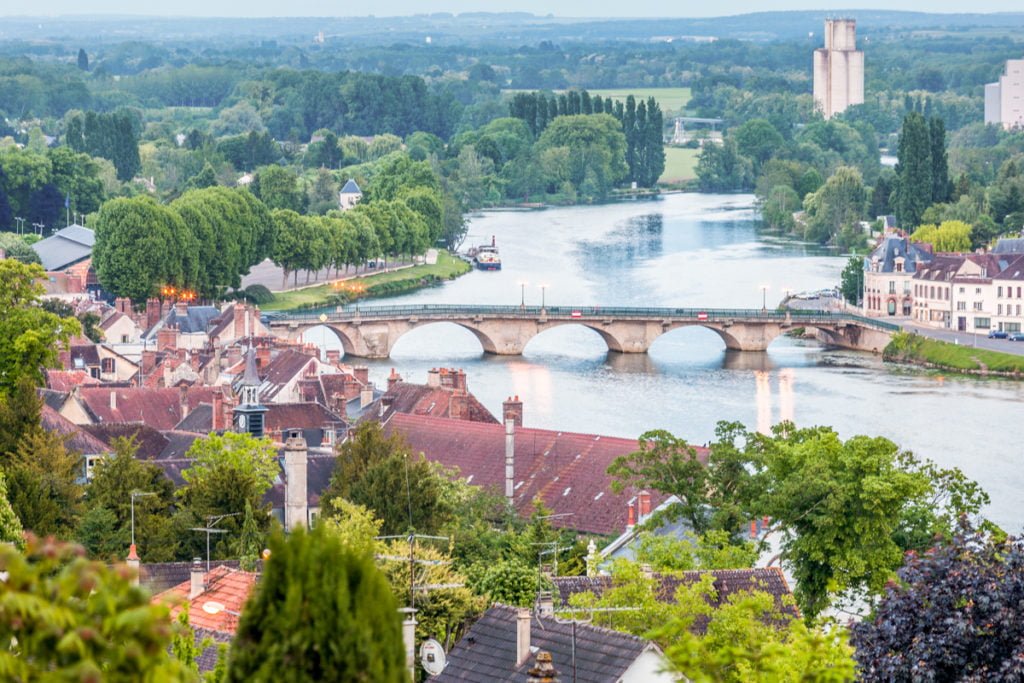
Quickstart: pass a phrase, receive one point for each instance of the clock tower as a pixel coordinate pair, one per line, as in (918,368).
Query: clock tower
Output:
(249,413)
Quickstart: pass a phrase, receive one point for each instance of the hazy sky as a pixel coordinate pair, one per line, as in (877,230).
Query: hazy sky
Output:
(566,8)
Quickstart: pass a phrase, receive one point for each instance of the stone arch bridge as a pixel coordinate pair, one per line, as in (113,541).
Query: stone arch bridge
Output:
(371,331)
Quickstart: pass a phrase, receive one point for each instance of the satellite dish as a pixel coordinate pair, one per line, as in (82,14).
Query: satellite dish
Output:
(212,607)
(432,657)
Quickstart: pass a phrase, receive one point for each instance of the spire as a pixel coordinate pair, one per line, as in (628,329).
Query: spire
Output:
(251,377)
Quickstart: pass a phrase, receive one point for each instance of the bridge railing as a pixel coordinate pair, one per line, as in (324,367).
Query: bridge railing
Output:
(796,316)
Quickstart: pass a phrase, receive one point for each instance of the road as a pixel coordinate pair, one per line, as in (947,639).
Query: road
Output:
(980,341)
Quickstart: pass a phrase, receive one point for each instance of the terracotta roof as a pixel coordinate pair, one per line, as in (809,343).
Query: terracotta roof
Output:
(111,319)
(280,416)
(153,444)
(283,368)
(77,440)
(567,470)
(66,380)
(159,576)
(157,408)
(420,399)
(225,585)
(727,582)
(488,650)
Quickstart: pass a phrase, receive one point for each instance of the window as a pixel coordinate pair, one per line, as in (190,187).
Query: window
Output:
(982,323)
(1018,292)
(999,292)
(1012,327)
(999,309)
(977,290)
(906,287)
(961,305)
(892,287)
(1018,309)
(977,306)
(961,290)
(124,338)
(107,365)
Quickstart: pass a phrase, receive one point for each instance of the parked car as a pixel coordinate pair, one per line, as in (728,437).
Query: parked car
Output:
(1016,336)
(998,334)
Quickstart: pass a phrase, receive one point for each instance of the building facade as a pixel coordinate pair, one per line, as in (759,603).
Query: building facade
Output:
(838,69)
(888,275)
(1004,99)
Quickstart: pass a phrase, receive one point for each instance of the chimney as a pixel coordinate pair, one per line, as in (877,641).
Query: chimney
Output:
(433,377)
(545,604)
(361,373)
(217,417)
(510,459)
(458,405)
(133,563)
(165,308)
(196,579)
(183,400)
(262,356)
(181,309)
(120,306)
(631,505)
(113,400)
(459,380)
(167,338)
(523,618)
(512,409)
(644,505)
(393,379)
(334,357)
(152,312)
(409,639)
(365,396)
(542,671)
(350,388)
(148,361)
(296,506)
(241,323)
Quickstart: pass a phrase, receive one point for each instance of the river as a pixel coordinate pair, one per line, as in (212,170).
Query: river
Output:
(696,250)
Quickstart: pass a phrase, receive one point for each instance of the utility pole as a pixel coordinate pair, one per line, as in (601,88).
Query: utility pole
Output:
(21,224)
(208,529)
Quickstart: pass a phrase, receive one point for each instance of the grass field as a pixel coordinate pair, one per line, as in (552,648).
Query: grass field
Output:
(906,346)
(446,268)
(680,165)
(670,99)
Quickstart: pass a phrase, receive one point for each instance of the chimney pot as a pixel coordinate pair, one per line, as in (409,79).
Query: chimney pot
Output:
(196,579)
(644,504)
(512,409)
(296,504)
(632,514)
(113,399)
(362,373)
(523,618)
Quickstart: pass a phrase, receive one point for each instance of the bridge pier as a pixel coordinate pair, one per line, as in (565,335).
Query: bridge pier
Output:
(747,337)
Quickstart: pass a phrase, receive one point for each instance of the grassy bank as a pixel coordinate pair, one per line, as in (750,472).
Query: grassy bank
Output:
(680,165)
(913,348)
(448,267)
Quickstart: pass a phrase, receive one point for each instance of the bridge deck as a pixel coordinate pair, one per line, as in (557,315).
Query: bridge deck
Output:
(439,312)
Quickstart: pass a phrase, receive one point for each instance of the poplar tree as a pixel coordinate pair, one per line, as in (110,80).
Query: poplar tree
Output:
(941,186)
(915,188)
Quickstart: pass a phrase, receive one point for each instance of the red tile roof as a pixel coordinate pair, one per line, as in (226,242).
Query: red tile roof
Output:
(420,399)
(567,470)
(157,408)
(66,380)
(225,585)
(77,439)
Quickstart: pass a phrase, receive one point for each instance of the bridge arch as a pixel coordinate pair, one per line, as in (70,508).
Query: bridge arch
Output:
(611,342)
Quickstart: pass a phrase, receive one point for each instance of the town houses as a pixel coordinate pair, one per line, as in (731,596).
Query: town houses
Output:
(967,292)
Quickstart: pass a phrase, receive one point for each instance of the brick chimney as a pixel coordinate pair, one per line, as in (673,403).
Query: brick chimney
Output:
(542,671)
(241,321)
(643,505)
(123,305)
(512,409)
(350,387)
(393,379)
(458,405)
(197,576)
(631,520)
(262,356)
(459,380)
(133,563)
(165,308)
(296,505)
(181,309)
(334,357)
(361,373)
(523,618)
(152,312)
(433,377)
(167,338)
(217,412)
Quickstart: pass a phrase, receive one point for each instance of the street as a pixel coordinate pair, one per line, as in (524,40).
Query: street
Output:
(980,341)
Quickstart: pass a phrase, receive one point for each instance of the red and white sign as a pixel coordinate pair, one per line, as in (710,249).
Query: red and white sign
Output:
(702,316)
(577,314)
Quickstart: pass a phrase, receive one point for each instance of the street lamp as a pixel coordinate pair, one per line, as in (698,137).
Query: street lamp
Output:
(134,495)
(764,297)
(522,293)
(542,290)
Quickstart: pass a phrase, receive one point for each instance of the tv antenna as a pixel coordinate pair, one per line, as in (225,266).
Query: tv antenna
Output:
(210,521)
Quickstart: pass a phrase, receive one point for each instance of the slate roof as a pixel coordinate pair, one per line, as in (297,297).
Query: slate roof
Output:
(1014,269)
(421,399)
(567,470)
(281,416)
(351,187)
(319,468)
(84,356)
(199,420)
(207,659)
(152,444)
(65,247)
(157,408)
(727,583)
(54,399)
(195,321)
(77,440)
(488,650)
(226,585)
(1009,245)
(892,247)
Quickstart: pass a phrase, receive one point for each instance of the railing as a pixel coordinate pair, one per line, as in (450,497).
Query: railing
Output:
(591,313)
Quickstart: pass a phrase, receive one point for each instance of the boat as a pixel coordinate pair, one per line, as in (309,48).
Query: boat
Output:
(486,256)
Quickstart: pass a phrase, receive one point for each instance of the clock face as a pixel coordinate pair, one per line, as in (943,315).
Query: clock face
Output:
(241,421)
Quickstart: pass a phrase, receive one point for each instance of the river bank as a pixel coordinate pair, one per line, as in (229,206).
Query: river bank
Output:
(403,281)
(907,347)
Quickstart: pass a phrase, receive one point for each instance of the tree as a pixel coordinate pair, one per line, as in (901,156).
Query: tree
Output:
(954,614)
(949,236)
(851,281)
(321,612)
(596,150)
(510,582)
(206,177)
(278,188)
(115,478)
(66,618)
(142,246)
(915,186)
(721,168)
(83,59)
(758,140)
(30,337)
(10,526)
(250,541)
(941,185)
(404,490)
(837,204)
(45,492)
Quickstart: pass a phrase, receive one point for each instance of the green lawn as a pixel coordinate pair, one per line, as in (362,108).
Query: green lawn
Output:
(680,165)
(446,268)
(952,356)
(671,99)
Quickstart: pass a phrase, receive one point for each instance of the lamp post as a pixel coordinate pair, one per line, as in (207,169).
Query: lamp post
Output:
(134,495)
(522,293)
(764,298)
(21,224)
(543,288)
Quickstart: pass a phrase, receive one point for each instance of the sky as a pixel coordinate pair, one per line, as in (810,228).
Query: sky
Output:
(565,8)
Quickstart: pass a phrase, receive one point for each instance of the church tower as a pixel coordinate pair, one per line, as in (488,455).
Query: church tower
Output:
(249,413)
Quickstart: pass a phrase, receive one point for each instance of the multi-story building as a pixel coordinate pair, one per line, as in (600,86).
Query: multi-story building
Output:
(1004,99)
(956,291)
(838,69)
(888,276)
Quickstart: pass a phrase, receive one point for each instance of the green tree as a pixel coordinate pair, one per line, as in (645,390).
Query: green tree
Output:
(321,612)
(949,236)
(83,59)
(510,582)
(758,140)
(250,541)
(941,185)
(837,205)
(721,168)
(30,337)
(44,490)
(142,246)
(278,188)
(67,618)
(10,526)
(851,281)
(206,177)
(778,208)
(915,186)
(596,151)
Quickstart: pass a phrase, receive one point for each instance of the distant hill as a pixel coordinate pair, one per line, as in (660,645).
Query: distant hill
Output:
(514,28)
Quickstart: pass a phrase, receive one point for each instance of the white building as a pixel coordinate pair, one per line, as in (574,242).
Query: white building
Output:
(838,69)
(888,275)
(1004,99)
(349,195)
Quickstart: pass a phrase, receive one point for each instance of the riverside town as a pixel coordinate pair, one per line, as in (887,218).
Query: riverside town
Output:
(475,342)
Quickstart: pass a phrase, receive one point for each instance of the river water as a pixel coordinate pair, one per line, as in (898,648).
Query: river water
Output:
(705,251)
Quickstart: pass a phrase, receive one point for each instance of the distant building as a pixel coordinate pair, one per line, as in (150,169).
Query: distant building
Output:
(888,275)
(1004,99)
(838,69)
(349,195)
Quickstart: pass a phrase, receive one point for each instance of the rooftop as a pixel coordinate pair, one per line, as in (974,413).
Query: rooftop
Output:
(65,247)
